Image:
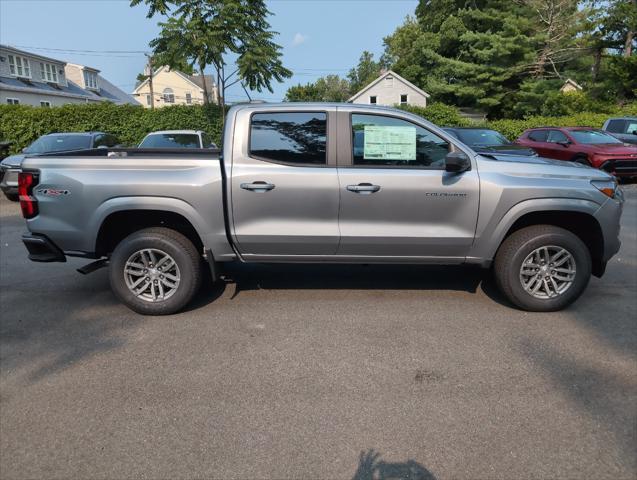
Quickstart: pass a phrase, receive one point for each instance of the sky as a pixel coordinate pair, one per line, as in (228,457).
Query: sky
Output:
(318,37)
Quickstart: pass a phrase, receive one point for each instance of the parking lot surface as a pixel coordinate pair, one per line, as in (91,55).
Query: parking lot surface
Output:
(316,372)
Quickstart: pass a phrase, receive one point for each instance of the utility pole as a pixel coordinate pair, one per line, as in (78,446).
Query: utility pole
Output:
(149,68)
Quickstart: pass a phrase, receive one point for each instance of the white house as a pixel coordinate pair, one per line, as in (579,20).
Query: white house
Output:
(391,89)
(172,87)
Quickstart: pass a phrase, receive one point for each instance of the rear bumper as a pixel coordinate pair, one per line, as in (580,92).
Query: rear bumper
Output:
(41,249)
(9,180)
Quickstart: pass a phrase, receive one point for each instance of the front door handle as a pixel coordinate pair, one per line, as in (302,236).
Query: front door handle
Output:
(257,186)
(363,188)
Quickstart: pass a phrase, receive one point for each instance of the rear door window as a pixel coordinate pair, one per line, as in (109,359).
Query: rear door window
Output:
(538,135)
(294,138)
(615,126)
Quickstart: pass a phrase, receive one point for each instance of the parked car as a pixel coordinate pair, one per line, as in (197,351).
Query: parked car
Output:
(292,187)
(624,128)
(588,146)
(54,142)
(485,140)
(177,139)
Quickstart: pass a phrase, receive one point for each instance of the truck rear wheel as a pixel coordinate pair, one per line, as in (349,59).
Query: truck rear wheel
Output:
(542,268)
(155,271)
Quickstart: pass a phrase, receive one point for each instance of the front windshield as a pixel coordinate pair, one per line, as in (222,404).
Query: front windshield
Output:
(593,137)
(481,137)
(171,140)
(59,143)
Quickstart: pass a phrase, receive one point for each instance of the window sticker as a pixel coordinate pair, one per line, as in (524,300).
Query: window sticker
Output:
(389,143)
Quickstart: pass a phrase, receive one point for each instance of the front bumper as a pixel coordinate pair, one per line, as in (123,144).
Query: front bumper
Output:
(620,167)
(609,216)
(42,249)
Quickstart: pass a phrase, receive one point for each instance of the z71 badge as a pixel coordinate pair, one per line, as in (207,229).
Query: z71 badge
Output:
(52,192)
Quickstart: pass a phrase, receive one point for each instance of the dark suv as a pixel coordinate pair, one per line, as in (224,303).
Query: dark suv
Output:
(54,142)
(624,128)
(589,146)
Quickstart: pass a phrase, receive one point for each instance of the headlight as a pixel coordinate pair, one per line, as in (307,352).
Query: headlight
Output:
(607,187)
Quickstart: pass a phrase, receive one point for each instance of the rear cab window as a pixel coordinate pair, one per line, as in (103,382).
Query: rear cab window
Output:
(291,138)
(616,126)
(171,140)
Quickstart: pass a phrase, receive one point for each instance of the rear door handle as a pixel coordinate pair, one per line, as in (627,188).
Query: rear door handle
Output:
(363,188)
(257,186)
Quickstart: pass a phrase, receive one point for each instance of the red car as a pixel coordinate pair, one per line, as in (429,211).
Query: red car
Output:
(584,145)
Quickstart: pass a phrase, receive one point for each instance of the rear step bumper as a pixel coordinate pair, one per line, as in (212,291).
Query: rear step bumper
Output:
(41,249)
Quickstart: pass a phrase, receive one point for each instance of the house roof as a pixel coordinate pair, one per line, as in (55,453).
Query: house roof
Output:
(572,83)
(107,90)
(33,55)
(195,80)
(384,75)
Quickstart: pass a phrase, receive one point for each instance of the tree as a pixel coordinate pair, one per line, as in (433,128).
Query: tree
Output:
(331,88)
(493,55)
(232,36)
(364,73)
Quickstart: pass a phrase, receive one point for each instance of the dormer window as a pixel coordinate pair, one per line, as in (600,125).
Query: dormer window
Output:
(19,66)
(48,73)
(90,80)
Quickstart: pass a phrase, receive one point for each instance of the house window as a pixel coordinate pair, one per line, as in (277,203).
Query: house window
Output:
(19,66)
(148,99)
(13,101)
(373,99)
(48,73)
(188,98)
(90,80)
(45,103)
(169,96)
(403,99)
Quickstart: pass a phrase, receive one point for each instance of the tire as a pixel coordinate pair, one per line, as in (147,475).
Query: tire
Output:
(138,250)
(522,247)
(13,197)
(583,159)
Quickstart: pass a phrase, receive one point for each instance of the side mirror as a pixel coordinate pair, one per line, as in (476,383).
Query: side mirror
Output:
(24,150)
(457,162)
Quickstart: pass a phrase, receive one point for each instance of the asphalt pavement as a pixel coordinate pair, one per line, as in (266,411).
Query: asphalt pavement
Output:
(316,371)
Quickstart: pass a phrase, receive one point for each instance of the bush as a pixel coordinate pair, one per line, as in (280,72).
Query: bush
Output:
(512,129)
(22,124)
(438,113)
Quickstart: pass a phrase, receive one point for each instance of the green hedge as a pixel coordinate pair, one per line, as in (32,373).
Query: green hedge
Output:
(22,124)
(438,113)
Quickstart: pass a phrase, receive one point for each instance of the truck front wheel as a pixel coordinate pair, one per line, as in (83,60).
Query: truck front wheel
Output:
(155,271)
(542,268)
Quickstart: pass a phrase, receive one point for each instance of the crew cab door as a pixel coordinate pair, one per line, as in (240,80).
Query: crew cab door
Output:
(284,184)
(397,200)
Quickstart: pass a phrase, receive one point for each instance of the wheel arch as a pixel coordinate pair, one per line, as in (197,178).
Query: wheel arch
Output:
(119,217)
(575,215)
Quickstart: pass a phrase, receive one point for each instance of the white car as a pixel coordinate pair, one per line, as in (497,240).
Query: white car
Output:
(177,139)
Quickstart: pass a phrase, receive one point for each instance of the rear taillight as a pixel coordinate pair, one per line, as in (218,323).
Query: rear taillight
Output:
(28,203)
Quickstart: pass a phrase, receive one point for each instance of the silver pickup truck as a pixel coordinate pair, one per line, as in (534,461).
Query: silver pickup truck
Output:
(321,183)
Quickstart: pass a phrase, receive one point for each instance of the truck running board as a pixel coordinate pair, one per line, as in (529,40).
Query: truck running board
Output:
(91,267)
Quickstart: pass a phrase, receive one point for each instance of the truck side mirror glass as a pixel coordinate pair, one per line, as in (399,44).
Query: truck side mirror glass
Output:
(457,162)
